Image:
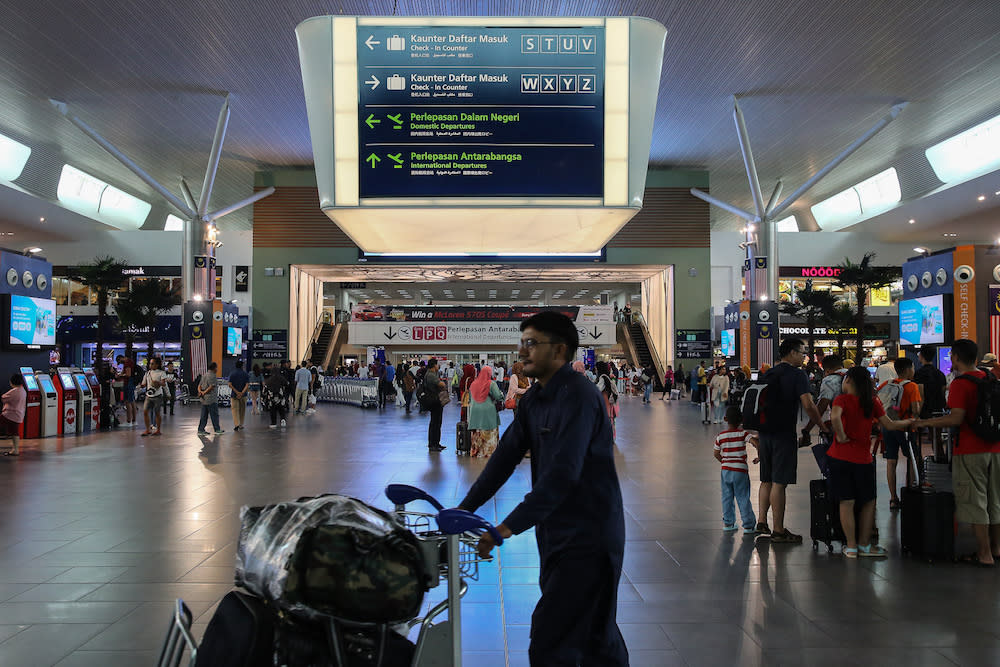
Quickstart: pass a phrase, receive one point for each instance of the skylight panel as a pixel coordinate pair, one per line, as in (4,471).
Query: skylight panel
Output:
(13,156)
(789,224)
(122,210)
(79,190)
(173,224)
(879,193)
(967,154)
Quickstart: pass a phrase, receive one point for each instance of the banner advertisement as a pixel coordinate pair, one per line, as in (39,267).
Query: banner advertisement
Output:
(462,333)
(580,314)
(32,321)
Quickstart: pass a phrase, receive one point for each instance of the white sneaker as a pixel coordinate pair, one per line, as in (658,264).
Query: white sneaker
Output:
(272,426)
(284,423)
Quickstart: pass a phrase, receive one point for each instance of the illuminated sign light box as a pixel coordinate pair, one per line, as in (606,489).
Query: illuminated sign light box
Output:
(31,322)
(480,135)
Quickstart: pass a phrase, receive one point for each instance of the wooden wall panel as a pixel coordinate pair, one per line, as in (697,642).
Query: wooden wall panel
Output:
(291,218)
(670,218)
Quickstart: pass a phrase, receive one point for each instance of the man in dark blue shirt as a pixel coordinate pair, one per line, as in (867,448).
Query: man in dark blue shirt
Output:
(575,504)
(238,382)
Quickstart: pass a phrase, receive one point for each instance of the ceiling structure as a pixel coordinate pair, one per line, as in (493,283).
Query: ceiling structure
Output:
(811,77)
(508,274)
(558,294)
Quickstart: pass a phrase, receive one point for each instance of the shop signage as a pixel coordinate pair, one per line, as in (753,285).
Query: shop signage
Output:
(580,314)
(465,111)
(353,285)
(242,276)
(809,271)
(461,333)
(875,330)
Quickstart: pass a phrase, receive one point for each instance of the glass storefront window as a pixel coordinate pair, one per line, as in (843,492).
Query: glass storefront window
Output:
(79,294)
(60,291)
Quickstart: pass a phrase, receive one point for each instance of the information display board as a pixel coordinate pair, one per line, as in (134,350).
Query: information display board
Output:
(693,343)
(922,320)
(473,111)
(729,342)
(31,321)
(270,344)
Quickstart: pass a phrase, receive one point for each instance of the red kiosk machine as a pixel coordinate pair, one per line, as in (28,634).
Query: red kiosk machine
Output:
(68,398)
(31,427)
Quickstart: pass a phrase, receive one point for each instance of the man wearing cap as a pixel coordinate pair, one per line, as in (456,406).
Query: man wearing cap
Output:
(990,364)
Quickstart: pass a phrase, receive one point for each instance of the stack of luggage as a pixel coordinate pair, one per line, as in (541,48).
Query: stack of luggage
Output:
(325,580)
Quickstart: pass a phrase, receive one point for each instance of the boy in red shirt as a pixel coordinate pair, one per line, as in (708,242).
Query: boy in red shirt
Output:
(731,452)
(899,442)
(852,475)
(975,468)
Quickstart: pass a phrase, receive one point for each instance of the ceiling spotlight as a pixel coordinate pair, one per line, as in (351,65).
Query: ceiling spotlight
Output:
(981,197)
(950,234)
(763,297)
(922,250)
(41,220)
(33,250)
(911,221)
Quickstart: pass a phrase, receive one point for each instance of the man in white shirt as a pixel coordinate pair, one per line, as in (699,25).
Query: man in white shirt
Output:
(154,381)
(885,372)
(303,376)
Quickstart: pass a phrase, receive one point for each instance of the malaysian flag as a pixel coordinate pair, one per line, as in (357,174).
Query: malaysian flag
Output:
(765,345)
(994,308)
(199,361)
(756,277)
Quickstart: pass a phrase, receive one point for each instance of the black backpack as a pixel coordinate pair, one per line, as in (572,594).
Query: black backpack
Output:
(986,423)
(760,402)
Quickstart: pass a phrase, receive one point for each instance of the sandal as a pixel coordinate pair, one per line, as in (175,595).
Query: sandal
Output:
(850,552)
(893,505)
(11,453)
(872,551)
(973,559)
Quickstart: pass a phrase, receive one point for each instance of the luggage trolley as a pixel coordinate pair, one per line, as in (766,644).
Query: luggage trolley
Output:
(450,555)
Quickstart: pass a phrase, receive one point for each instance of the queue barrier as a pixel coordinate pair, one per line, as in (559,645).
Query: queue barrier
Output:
(362,393)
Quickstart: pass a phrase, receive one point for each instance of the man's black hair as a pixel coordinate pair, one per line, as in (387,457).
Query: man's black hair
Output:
(558,327)
(927,353)
(832,362)
(734,415)
(212,366)
(16,379)
(239,363)
(788,345)
(432,362)
(965,351)
(902,364)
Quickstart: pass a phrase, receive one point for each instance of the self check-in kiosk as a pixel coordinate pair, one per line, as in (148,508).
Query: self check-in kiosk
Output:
(51,415)
(68,398)
(31,427)
(85,401)
(95,389)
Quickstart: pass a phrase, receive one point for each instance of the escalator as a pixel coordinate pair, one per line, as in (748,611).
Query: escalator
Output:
(635,342)
(321,344)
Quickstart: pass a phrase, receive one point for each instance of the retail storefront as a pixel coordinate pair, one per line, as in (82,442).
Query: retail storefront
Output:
(792,279)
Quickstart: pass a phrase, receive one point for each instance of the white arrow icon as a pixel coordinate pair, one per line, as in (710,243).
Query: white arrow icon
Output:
(371,41)
(241,276)
(373,82)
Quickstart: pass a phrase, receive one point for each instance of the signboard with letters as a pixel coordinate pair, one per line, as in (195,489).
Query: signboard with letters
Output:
(241,274)
(270,344)
(461,333)
(475,111)
(693,343)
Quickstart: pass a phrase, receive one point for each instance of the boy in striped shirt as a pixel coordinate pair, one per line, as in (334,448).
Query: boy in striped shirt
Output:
(731,452)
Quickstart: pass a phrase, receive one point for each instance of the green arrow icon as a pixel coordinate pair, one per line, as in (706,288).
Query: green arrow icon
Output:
(373,159)
(372,121)
(397,158)
(397,119)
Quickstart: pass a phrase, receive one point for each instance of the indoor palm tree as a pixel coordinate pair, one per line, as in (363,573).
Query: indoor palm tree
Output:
(149,299)
(811,305)
(861,278)
(104,276)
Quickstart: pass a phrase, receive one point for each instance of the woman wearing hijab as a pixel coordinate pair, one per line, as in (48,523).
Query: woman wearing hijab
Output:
(608,391)
(519,384)
(275,396)
(484,420)
(468,375)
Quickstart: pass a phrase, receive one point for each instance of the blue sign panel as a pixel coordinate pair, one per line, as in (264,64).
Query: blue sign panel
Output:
(481,112)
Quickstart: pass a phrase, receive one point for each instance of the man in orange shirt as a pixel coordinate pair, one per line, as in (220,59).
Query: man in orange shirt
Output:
(906,406)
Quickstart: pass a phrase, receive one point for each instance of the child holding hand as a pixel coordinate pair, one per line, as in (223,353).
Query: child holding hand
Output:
(731,451)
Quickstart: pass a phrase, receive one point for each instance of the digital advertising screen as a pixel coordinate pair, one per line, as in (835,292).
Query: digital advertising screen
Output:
(922,320)
(234,341)
(31,321)
(944,359)
(729,342)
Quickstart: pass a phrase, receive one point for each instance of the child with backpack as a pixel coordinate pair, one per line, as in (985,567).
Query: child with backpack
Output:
(852,475)
(731,451)
(901,399)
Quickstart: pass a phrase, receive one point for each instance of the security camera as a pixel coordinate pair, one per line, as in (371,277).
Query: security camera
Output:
(965,274)
(912,283)
(927,279)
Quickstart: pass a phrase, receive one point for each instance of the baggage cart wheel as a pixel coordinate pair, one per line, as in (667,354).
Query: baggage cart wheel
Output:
(829,547)
(815,545)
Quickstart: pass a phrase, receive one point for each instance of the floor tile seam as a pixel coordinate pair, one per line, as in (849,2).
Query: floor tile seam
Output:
(71,652)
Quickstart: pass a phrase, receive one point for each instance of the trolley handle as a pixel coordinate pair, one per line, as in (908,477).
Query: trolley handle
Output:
(456,522)
(401,494)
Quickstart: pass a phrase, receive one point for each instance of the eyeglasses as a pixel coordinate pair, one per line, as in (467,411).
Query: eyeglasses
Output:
(530,343)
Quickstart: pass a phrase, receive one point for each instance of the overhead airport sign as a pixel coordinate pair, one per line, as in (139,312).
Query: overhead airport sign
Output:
(460,111)
(461,333)
(580,314)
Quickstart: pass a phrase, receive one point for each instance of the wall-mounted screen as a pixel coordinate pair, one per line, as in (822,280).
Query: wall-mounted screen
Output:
(922,320)
(234,341)
(31,321)
(944,359)
(729,342)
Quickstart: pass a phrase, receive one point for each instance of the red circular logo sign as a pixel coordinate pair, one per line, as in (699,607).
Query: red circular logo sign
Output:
(70,415)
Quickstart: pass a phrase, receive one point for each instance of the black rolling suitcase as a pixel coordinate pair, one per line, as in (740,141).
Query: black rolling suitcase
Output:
(463,440)
(927,521)
(240,634)
(824,515)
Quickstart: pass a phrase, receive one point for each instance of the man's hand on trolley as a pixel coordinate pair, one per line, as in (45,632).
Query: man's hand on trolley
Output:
(486,542)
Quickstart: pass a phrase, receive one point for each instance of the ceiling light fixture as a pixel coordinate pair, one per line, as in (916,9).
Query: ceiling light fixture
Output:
(981,197)
(33,250)
(922,250)
(911,221)
(41,220)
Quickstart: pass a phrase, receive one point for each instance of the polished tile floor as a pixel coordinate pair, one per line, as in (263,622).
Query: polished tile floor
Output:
(100,534)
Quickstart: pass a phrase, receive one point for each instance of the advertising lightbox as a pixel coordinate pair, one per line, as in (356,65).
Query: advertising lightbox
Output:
(922,321)
(729,342)
(31,321)
(234,341)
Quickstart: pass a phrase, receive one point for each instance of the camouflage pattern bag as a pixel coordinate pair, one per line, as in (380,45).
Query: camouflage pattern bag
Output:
(334,556)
